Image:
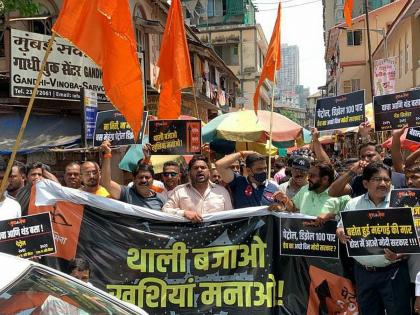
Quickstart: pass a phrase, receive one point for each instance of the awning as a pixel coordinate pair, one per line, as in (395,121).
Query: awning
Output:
(42,132)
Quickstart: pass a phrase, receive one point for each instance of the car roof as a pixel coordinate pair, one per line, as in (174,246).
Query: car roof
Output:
(17,266)
(12,268)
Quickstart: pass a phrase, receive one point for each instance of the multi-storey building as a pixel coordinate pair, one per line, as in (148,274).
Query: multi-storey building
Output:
(229,27)
(56,121)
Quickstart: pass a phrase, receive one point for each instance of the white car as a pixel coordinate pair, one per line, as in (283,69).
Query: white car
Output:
(30,288)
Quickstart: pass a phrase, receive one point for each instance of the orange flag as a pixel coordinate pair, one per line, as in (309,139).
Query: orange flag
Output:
(174,64)
(103,30)
(348,9)
(272,59)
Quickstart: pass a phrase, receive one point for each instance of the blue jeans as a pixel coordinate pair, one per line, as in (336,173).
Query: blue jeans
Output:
(383,289)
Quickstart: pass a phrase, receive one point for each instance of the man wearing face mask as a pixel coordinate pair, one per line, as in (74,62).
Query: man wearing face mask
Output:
(141,193)
(253,190)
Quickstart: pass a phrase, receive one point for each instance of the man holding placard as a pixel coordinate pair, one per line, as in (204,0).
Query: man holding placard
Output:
(382,281)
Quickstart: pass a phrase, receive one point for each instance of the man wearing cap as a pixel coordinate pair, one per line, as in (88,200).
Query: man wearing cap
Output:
(300,169)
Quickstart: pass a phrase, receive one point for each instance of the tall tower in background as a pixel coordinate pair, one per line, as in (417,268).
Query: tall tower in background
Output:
(288,76)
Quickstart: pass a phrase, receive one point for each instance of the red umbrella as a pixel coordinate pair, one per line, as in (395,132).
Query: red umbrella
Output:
(405,144)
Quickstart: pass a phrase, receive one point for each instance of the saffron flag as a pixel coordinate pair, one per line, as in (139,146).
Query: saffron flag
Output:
(272,60)
(174,64)
(103,30)
(348,9)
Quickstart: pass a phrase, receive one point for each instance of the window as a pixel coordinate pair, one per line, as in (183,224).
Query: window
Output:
(50,292)
(354,38)
(351,85)
(229,53)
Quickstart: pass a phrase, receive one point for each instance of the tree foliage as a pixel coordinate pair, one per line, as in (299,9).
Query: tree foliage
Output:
(23,7)
(290,115)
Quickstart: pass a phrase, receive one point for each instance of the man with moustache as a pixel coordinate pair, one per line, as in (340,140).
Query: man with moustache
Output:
(300,168)
(72,175)
(382,281)
(17,178)
(141,193)
(313,199)
(171,176)
(200,196)
(91,177)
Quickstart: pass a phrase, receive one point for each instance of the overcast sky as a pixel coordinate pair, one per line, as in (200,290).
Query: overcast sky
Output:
(301,25)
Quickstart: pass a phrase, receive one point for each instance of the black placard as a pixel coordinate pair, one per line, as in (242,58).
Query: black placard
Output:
(344,111)
(27,236)
(373,230)
(394,111)
(175,137)
(408,198)
(299,238)
(413,134)
(111,125)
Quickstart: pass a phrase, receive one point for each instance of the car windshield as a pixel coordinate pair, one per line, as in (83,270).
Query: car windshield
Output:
(42,292)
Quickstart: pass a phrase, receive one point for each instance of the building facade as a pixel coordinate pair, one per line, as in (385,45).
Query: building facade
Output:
(57,122)
(229,27)
(403,45)
(347,56)
(288,76)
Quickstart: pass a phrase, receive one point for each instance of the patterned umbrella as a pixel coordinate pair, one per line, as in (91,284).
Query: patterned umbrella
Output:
(245,126)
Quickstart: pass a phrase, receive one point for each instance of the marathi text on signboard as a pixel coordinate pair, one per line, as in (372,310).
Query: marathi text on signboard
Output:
(413,134)
(371,231)
(409,197)
(384,76)
(342,111)
(299,238)
(394,111)
(67,70)
(112,126)
(90,106)
(27,236)
(172,137)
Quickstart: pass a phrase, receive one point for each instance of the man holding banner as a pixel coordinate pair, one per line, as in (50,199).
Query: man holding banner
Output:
(382,281)
(200,196)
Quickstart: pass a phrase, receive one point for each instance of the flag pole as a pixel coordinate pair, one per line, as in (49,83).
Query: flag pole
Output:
(195,100)
(26,118)
(271,122)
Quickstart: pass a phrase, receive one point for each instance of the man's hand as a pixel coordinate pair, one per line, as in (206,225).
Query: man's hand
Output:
(417,305)
(244,154)
(275,207)
(193,216)
(364,129)
(358,167)
(342,236)
(321,219)
(106,147)
(391,256)
(147,151)
(399,132)
(315,134)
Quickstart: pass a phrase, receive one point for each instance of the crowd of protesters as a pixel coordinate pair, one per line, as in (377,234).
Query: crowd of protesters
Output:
(308,182)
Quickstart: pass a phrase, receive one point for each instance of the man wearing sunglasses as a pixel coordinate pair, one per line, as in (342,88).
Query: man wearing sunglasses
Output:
(171,177)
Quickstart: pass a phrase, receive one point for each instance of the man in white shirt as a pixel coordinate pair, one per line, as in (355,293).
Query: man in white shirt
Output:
(9,208)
